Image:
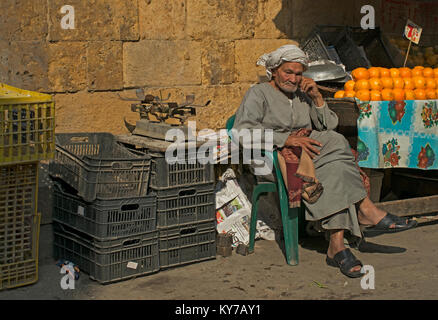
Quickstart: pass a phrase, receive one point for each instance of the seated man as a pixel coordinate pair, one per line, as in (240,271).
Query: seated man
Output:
(303,125)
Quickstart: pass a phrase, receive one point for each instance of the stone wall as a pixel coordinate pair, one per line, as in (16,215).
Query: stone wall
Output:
(205,47)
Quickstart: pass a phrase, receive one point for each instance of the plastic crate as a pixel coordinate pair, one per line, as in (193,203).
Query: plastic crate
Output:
(27,125)
(107,261)
(315,47)
(165,175)
(380,51)
(103,219)
(187,244)
(18,199)
(178,206)
(25,271)
(330,33)
(350,53)
(96,166)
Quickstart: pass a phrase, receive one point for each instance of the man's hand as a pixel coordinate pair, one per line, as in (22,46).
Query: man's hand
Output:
(306,143)
(310,87)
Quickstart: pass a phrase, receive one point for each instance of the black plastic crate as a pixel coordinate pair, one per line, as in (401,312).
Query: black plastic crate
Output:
(350,53)
(104,219)
(380,51)
(178,206)
(107,261)
(186,172)
(187,244)
(330,33)
(97,166)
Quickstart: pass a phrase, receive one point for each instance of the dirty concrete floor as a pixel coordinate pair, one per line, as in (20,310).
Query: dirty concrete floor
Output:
(412,274)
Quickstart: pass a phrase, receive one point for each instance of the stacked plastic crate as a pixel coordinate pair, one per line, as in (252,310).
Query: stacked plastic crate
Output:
(27,124)
(185,209)
(104,219)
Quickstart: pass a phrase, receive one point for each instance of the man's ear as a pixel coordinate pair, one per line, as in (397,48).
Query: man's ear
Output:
(274,72)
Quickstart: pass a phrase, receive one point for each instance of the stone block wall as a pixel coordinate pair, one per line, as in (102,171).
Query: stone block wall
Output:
(204,47)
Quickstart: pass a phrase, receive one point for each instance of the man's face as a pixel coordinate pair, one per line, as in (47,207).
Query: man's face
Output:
(288,76)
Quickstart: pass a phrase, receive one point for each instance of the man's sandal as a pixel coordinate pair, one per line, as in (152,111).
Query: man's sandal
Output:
(384,225)
(345,261)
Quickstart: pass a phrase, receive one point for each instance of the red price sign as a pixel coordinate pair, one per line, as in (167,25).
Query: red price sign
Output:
(413,32)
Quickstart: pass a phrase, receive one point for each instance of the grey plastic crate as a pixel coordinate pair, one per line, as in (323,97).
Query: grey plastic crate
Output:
(178,206)
(97,166)
(187,172)
(107,261)
(315,47)
(187,244)
(103,219)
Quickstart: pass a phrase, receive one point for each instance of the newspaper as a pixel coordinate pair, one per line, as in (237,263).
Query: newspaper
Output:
(238,225)
(233,212)
(220,143)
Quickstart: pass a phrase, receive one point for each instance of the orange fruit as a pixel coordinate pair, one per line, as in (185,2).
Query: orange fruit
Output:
(387,82)
(430,83)
(417,72)
(362,85)
(409,83)
(360,73)
(375,95)
(405,72)
(394,73)
(398,83)
(387,94)
(420,82)
(374,72)
(428,72)
(409,94)
(420,94)
(430,93)
(375,84)
(350,94)
(363,95)
(384,72)
(435,72)
(339,94)
(349,85)
(419,67)
(399,94)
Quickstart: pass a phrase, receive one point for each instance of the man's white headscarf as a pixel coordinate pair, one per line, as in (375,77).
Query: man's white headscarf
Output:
(286,53)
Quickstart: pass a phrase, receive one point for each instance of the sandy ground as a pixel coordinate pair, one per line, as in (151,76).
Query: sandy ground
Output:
(412,274)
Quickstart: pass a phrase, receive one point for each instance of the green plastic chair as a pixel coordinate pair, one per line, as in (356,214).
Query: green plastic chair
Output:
(291,217)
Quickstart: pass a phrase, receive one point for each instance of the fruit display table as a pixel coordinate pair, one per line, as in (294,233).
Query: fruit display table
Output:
(398,134)
(350,110)
(397,123)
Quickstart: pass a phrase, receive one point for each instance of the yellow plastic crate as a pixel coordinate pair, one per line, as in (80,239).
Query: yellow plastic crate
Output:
(18,206)
(27,125)
(24,272)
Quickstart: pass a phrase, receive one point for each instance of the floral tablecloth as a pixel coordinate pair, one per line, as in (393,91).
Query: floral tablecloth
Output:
(398,134)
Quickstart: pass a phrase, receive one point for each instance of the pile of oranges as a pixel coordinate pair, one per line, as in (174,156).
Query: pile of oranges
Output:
(377,84)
